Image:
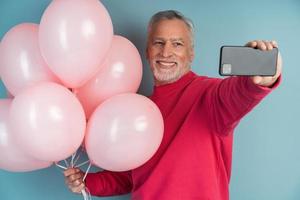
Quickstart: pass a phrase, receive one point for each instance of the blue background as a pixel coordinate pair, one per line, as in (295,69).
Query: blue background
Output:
(266,155)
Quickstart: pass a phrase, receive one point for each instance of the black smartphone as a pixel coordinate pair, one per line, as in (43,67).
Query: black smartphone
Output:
(247,61)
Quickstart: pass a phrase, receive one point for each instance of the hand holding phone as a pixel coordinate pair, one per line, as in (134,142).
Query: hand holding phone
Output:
(267,79)
(248,61)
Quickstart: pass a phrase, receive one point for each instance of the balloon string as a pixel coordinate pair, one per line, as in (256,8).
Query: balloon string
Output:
(60,166)
(76,159)
(85,192)
(82,163)
(72,159)
(87,171)
(67,164)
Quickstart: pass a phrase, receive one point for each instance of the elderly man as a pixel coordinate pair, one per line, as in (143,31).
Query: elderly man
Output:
(200,114)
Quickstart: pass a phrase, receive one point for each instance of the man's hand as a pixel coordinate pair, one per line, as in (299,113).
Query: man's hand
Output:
(266,81)
(74,179)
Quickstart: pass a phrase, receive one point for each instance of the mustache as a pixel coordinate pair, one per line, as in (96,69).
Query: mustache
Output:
(165,60)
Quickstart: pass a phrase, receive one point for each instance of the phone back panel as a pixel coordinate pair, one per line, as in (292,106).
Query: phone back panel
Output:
(239,60)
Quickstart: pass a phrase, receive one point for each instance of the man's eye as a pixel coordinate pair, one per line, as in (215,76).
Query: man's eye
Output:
(158,43)
(177,44)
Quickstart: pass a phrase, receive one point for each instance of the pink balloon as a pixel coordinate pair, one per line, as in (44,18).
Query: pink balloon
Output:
(9,95)
(21,63)
(124,132)
(11,157)
(75,36)
(47,121)
(120,73)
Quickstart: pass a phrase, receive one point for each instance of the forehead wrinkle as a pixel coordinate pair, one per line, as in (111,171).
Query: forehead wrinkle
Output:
(170,39)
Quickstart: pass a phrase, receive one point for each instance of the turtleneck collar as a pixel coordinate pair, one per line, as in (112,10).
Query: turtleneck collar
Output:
(180,83)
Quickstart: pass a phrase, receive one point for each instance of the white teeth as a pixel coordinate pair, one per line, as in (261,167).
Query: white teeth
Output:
(166,63)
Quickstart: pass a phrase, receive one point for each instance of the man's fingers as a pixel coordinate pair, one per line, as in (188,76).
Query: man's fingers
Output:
(73,183)
(274,43)
(71,171)
(74,177)
(266,46)
(74,180)
(257,79)
(261,45)
(76,183)
(269,45)
(252,44)
(77,189)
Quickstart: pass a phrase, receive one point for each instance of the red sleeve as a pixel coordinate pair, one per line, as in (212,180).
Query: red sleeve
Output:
(231,99)
(107,183)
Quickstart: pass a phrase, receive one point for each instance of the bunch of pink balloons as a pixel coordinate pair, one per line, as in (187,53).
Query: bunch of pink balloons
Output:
(68,73)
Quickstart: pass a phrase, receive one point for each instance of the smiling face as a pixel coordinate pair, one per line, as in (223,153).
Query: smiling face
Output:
(169,50)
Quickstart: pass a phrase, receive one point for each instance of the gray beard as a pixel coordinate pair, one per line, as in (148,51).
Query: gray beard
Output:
(168,77)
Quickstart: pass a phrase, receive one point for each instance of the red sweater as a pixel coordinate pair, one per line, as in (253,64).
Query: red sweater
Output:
(194,159)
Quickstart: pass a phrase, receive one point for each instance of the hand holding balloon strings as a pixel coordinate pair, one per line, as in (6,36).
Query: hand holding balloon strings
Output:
(72,165)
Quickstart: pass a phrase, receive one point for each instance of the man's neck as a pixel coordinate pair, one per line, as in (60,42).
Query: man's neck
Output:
(160,83)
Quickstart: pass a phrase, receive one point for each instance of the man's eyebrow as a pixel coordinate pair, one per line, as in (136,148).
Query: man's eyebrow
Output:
(177,39)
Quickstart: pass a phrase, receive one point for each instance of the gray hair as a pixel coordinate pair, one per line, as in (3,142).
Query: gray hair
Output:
(171,14)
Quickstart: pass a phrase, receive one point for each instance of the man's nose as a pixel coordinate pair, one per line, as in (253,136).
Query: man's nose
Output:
(167,50)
